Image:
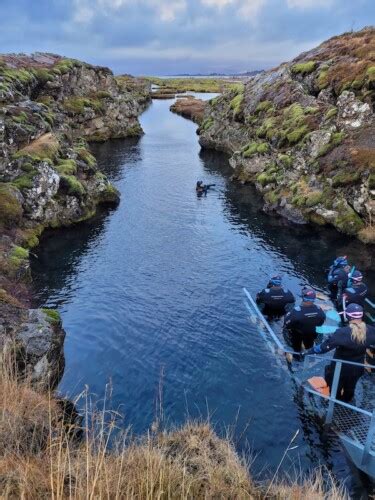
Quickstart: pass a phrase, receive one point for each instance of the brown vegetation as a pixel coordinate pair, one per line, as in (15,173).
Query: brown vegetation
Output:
(190,108)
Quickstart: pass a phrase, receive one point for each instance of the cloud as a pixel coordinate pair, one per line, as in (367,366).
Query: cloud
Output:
(309,4)
(246,8)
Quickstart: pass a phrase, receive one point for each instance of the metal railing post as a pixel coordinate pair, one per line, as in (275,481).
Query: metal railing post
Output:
(335,383)
(369,438)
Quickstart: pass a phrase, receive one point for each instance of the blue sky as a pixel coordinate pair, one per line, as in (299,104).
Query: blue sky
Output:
(177,36)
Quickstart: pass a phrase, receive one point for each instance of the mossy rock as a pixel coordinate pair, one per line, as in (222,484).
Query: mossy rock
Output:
(349,222)
(10,206)
(335,140)
(331,113)
(286,160)
(314,198)
(52,316)
(236,103)
(66,167)
(254,148)
(345,179)
(315,218)
(263,106)
(371,181)
(134,131)
(296,135)
(30,237)
(25,181)
(207,123)
(85,155)
(266,178)
(272,197)
(77,105)
(17,259)
(72,185)
(110,195)
(304,68)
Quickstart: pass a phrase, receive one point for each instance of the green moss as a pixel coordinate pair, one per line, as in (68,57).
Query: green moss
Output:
(349,221)
(17,258)
(64,66)
(272,197)
(322,80)
(335,140)
(304,68)
(371,181)
(110,194)
(20,117)
(255,148)
(103,94)
(266,178)
(25,181)
(20,253)
(330,113)
(297,134)
(263,106)
(299,200)
(53,316)
(11,75)
(72,185)
(286,160)
(85,155)
(10,206)
(134,131)
(67,167)
(236,102)
(314,198)
(345,179)
(370,73)
(76,105)
(207,123)
(43,75)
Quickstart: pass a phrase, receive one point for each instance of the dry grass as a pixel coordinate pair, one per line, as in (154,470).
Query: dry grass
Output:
(39,461)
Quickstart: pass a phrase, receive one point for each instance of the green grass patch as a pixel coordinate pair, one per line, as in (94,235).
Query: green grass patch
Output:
(85,155)
(345,179)
(254,148)
(66,167)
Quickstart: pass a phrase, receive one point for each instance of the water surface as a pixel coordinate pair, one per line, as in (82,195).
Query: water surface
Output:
(156,285)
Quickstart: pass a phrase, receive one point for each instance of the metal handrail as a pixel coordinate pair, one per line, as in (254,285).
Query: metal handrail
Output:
(281,345)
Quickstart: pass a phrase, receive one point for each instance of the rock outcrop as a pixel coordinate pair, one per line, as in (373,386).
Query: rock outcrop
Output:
(49,108)
(304,134)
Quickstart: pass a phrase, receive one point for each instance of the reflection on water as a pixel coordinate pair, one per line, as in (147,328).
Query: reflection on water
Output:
(158,282)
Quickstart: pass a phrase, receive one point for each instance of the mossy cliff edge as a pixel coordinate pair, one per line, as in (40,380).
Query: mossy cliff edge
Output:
(303,133)
(49,108)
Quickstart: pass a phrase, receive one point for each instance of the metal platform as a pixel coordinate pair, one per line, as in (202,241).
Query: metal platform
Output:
(353,423)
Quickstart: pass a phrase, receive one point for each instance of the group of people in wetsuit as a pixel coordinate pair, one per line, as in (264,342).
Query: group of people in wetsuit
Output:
(352,339)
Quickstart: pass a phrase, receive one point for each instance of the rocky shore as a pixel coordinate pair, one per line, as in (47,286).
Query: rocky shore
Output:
(50,107)
(303,133)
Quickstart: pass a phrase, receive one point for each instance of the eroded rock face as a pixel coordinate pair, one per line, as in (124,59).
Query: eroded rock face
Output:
(304,134)
(49,107)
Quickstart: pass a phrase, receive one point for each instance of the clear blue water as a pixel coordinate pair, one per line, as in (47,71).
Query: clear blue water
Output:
(157,285)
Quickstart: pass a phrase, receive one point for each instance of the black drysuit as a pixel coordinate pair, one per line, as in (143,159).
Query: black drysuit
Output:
(348,350)
(337,280)
(275,298)
(301,322)
(356,294)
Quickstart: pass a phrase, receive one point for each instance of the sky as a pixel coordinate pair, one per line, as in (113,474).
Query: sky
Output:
(166,37)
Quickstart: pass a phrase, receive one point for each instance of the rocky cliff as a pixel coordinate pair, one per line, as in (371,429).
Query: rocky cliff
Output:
(49,107)
(304,134)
